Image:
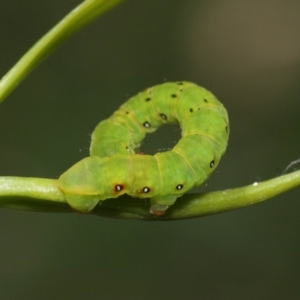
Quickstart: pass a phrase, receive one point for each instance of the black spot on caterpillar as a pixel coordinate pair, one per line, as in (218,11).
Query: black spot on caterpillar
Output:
(114,168)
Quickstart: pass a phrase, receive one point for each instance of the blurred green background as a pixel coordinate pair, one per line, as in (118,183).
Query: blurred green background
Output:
(248,54)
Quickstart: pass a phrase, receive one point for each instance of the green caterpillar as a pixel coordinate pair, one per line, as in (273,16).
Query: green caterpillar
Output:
(114,168)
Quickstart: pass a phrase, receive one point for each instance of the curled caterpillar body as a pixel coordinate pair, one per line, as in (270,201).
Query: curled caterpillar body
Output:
(113,167)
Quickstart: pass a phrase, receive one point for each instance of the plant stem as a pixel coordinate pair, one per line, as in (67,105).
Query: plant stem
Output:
(43,195)
(83,14)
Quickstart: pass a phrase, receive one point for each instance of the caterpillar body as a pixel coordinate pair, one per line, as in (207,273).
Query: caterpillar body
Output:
(114,168)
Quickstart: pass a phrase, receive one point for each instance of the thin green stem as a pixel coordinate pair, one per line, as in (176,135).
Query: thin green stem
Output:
(43,195)
(83,14)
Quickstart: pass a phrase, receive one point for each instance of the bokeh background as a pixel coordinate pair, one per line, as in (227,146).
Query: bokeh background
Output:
(248,54)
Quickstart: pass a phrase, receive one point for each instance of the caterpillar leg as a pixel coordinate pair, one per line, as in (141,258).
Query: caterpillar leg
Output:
(158,209)
(160,204)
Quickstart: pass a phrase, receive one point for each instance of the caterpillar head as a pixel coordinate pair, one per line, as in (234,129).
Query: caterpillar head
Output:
(80,184)
(92,180)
